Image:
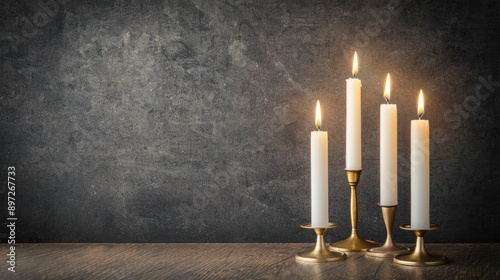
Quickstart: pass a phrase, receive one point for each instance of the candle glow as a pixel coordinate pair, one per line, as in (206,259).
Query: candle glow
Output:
(387,90)
(420,109)
(318,116)
(355,65)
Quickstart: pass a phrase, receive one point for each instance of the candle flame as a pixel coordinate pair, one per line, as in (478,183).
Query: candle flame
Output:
(355,65)
(318,116)
(420,109)
(387,91)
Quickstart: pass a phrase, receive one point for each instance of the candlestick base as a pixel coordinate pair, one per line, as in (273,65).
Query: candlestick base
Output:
(389,249)
(320,253)
(353,243)
(420,256)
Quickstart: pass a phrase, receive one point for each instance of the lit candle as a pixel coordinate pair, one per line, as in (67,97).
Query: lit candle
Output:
(388,149)
(420,169)
(319,174)
(353,120)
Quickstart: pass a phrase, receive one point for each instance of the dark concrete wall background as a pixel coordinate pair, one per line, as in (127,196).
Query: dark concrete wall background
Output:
(189,121)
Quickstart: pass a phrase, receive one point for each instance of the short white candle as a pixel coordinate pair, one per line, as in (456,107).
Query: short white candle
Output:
(420,170)
(388,149)
(353,119)
(319,174)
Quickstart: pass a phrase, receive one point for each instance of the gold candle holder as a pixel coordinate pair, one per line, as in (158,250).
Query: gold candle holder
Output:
(320,253)
(419,256)
(389,249)
(353,243)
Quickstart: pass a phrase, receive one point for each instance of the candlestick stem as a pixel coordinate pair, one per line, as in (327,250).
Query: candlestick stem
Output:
(320,253)
(419,256)
(389,249)
(353,243)
(354,210)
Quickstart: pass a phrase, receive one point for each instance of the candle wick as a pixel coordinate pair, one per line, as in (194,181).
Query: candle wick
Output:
(387,100)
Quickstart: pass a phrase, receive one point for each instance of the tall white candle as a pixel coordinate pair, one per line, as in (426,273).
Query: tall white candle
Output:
(353,119)
(319,175)
(388,149)
(420,170)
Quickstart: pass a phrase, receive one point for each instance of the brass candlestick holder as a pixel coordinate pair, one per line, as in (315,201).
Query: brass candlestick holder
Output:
(353,243)
(419,256)
(389,249)
(320,253)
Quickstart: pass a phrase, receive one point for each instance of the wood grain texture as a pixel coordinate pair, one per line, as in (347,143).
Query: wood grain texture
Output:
(235,261)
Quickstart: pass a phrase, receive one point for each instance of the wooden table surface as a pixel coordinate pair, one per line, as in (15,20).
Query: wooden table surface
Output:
(234,261)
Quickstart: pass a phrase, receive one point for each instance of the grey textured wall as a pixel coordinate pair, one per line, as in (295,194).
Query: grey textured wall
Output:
(189,121)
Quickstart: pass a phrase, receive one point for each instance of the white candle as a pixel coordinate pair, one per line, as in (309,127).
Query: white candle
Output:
(353,120)
(388,149)
(420,170)
(319,175)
